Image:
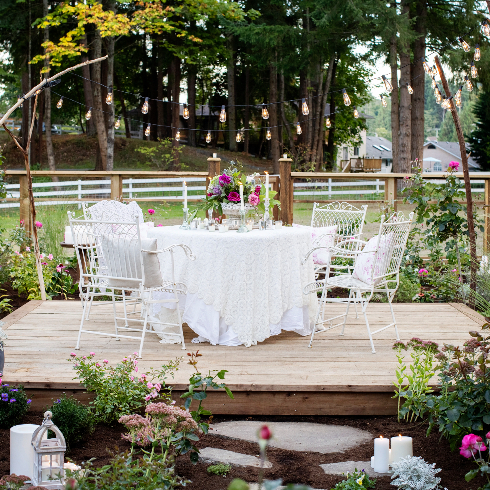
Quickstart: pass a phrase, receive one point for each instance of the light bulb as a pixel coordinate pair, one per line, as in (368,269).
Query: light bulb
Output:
(444,101)
(304,107)
(208,137)
(438,96)
(346,97)
(457,97)
(177,135)
(469,85)
(144,108)
(268,135)
(477,56)
(265,112)
(464,44)
(185,114)
(147,130)
(474,71)
(108,99)
(298,128)
(485,28)
(88,115)
(222,114)
(59,105)
(434,71)
(20,97)
(328,123)
(383,101)
(388,86)
(238,137)
(426,66)
(117,124)
(356,113)
(434,83)
(38,91)
(410,89)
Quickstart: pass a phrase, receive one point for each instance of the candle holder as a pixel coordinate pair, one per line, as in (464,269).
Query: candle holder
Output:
(266,212)
(185,225)
(210,214)
(243,226)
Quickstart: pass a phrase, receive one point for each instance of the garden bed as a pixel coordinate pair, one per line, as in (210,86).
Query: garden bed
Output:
(292,466)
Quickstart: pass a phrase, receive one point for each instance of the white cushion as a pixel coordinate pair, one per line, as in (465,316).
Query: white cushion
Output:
(322,237)
(369,260)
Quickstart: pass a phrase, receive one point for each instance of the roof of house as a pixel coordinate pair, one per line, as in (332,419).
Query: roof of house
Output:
(452,148)
(378,147)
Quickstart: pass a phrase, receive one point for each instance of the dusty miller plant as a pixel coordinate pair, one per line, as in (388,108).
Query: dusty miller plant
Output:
(413,473)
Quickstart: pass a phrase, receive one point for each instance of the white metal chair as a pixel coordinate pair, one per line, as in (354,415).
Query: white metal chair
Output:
(132,266)
(376,270)
(113,211)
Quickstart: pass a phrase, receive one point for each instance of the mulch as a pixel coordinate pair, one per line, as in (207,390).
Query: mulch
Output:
(291,466)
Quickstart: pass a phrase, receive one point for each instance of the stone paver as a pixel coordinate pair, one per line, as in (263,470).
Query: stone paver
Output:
(350,466)
(255,486)
(297,436)
(214,455)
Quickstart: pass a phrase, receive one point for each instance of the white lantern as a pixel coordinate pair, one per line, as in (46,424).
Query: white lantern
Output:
(49,455)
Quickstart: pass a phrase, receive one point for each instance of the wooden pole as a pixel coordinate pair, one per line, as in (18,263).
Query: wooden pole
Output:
(285,190)
(467,182)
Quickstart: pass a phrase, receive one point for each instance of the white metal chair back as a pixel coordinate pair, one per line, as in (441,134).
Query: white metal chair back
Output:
(113,211)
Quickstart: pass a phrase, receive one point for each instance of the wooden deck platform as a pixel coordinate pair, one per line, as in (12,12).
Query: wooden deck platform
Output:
(281,376)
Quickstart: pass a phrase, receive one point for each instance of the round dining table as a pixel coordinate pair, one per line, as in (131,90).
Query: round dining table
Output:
(243,287)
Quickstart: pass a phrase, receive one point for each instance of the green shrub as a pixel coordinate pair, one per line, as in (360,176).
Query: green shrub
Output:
(358,480)
(407,289)
(13,405)
(74,419)
(219,469)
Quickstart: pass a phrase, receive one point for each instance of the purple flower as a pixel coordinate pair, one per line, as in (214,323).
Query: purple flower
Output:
(29,401)
(216,190)
(14,389)
(58,401)
(224,179)
(13,400)
(234,196)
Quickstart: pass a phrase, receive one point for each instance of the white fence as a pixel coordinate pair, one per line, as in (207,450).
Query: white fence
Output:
(171,189)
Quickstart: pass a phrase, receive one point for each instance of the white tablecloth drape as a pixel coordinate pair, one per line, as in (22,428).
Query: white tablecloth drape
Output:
(242,287)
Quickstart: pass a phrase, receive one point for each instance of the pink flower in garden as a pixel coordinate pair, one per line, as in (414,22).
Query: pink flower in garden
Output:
(92,353)
(407,177)
(150,385)
(454,270)
(253,199)
(97,364)
(84,357)
(470,444)
(159,225)
(15,252)
(59,268)
(423,272)
(41,256)
(151,211)
(132,378)
(233,196)
(265,433)
(38,224)
(105,361)
(73,354)
(136,369)
(454,165)
(257,190)
(21,222)
(143,376)
(224,179)
(487,436)
(28,249)
(50,256)
(158,387)
(147,398)
(71,484)
(44,263)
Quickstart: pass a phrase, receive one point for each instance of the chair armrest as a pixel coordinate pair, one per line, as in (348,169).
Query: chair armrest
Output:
(186,249)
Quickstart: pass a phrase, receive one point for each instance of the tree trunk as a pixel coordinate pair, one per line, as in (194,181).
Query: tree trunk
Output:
(25,108)
(87,91)
(418,78)
(175,106)
(191,99)
(395,103)
(97,113)
(273,117)
(109,108)
(246,122)
(127,123)
(230,63)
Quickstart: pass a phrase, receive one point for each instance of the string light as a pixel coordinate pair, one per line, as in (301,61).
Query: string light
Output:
(117,124)
(144,108)
(383,101)
(434,83)
(434,71)
(464,44)
(265,112)
(474,71)
(59,104)
(447,103)
(328,123)
(426,66)
(268,135)
(238,137)
(409,88)
(177,135)
(438,95)
(108,99)
(356,113)
(477,56)
(346,97)
(457,97)
(485,28)
(147,130)
(298,128)
(208,137)
(185,113)
(88,115)
(222,115)
(304,108)
(388,86)
(38,91)
(444,102)
(469,85)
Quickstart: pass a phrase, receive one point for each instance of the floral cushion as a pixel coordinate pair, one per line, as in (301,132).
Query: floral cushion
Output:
(322,237)
(365,262)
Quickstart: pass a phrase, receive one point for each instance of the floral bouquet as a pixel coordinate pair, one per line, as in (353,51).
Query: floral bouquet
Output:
(224,190)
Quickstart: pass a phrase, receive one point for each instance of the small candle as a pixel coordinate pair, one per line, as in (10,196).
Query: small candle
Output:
(215,155)
(267,185)
(381,455)
(211,227)
(185,195)
(242,205)
(372,461)
(401,447)
(285,155)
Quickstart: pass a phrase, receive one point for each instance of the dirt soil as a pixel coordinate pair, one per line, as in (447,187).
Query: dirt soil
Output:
(291,466)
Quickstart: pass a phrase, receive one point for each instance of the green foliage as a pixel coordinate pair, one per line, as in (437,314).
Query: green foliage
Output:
(219,469)
(479,139)
(119,390)
(407,289)
(358,480)
(163,155)
(74,419)
(5,304)
(13,405)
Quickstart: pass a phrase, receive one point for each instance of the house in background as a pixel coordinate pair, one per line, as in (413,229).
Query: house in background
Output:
(438,154)
(378,147)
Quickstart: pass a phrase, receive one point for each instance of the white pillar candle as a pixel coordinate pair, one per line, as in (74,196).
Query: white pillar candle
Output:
(68,235)
(21,450)
(372,461)
(185,196)
(242,206)
(401,447)
(267,185)
(381,455)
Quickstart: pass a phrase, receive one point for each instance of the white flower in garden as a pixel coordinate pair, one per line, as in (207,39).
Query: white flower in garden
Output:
(413,473)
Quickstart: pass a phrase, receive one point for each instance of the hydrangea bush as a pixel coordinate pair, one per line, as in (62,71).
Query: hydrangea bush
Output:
(13,405)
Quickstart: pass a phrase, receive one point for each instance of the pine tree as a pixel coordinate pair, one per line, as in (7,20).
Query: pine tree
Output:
(480,137)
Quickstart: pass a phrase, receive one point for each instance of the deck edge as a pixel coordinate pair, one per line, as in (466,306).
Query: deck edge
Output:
(19,313)
(468,312)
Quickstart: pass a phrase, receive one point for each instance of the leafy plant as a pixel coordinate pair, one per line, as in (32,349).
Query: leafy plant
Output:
(407,289)
(13,481)
(219,469)
(13,405)
(74,419)
(163,155)
(5,303)
(358,480)
(119,390)
(413,473)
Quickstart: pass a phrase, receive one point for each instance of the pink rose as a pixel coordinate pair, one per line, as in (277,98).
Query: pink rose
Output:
(151,211)
(50,256)
(150,385)
(72,354)
(147,398)
(265,433)
(38,224)
(253,199)
(423,272)
(136,369)
(132,378)
(92,353)
(97,364)
(454,165)
(105,361)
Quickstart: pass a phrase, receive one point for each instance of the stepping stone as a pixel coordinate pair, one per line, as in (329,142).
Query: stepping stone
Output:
(213,455)
(255,486)
(350,466)
(297,436)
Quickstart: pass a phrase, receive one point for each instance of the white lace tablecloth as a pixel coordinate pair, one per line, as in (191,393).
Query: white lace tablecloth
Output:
(242,287)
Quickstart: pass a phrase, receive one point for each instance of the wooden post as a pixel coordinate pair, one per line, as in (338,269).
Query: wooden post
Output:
(285,190)
(486,214)
(274,181)
(116,187)
(25,203)
(390,191)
